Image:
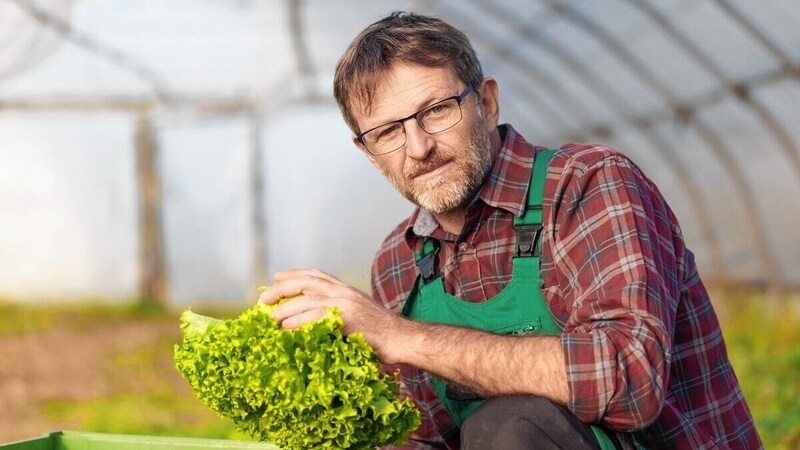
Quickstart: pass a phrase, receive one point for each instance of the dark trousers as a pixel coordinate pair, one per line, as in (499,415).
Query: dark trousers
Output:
(524,422)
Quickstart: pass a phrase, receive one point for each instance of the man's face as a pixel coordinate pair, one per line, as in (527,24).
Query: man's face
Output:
(439,172)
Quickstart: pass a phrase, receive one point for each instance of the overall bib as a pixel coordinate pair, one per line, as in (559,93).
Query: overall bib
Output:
(518,309)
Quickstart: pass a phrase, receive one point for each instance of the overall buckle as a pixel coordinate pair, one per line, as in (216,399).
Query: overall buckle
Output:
(527,240)
(429,266)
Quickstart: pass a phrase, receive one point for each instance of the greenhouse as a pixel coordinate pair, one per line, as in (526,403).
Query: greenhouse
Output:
(179,153)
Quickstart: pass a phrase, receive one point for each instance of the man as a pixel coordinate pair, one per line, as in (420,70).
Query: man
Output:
(533,299)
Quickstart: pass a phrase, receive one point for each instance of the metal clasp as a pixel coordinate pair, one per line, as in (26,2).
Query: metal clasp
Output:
(527,239)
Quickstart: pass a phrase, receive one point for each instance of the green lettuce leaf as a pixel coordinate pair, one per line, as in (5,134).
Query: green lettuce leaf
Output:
(300,389)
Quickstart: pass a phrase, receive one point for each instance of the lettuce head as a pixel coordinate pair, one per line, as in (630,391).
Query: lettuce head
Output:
(306,388)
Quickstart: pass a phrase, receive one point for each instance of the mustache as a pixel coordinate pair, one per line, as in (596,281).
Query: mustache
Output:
(413,167)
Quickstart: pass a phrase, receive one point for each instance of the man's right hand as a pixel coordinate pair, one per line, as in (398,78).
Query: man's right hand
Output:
(321,291)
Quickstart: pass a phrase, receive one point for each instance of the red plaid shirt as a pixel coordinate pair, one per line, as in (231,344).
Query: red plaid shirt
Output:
(643,347)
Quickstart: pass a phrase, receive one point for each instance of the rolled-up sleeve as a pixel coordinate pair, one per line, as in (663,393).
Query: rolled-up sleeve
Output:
(614,269)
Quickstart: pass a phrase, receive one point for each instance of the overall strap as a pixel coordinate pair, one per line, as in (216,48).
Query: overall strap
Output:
(529,225)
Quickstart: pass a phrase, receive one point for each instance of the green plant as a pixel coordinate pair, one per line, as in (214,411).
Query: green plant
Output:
(764,352)
(305,388)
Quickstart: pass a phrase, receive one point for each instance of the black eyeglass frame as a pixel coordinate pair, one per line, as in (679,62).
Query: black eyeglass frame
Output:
(458,98)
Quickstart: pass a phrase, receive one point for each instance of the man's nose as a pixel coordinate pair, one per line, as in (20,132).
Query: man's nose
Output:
(418,143)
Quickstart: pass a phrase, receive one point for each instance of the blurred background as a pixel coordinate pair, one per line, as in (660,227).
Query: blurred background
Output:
(162,155)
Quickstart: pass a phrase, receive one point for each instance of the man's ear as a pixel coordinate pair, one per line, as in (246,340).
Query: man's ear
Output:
(361,147)
(490,102)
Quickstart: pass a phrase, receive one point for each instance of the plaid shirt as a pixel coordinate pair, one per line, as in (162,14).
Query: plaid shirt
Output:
(643,347)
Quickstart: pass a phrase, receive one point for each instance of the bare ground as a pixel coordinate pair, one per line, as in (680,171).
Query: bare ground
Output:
(68,363)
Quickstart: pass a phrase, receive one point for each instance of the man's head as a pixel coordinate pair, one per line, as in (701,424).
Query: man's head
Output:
(400,38)
(404,71)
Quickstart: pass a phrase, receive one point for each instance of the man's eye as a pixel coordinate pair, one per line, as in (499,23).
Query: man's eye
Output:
(388,132)
(438,109)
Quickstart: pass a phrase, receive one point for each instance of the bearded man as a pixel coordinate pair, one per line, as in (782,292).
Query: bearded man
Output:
(535,298)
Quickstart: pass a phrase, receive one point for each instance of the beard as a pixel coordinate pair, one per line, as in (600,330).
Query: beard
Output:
(454,188)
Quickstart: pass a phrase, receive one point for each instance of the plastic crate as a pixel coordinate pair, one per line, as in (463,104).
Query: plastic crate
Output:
(74,440)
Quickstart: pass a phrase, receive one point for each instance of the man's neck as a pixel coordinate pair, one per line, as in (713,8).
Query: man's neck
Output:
(452,221)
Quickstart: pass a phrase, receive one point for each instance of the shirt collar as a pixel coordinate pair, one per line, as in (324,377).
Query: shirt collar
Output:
(505,187)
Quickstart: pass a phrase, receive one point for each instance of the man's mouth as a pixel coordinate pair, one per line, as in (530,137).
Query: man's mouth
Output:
(431,170)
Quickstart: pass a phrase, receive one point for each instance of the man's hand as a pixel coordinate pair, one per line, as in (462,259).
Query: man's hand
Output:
(487,363)
(320,291)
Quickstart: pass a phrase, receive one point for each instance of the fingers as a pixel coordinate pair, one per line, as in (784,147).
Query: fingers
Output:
(304,318)
(319,291)
(302,281)
(299,311)
(300,318)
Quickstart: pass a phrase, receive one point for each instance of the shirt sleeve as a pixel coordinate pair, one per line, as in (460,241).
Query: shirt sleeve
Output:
(613,253)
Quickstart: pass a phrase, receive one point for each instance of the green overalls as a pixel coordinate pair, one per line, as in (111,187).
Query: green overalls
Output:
(518,309)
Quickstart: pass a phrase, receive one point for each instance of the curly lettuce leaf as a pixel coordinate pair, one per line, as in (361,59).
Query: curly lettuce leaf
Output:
(306,388)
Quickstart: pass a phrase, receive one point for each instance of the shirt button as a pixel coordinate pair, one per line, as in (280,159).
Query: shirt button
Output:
(462,247)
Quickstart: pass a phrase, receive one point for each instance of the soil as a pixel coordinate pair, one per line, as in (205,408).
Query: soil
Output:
(69,363)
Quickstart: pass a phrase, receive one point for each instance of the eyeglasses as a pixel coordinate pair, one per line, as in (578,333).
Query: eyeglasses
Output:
(438,117)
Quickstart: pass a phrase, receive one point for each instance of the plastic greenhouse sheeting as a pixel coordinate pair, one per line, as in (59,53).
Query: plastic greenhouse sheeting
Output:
(703,95)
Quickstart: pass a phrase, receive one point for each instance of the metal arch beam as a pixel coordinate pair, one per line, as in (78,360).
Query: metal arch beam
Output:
(15,30)
(300,47)
(789,66)
(428,5)
(258,220)
(514,62)
(554,116)
(775,280)
(738,90)
(529,119)
(152,265)
(529,126)
(715,143)
(621,107)
(522,66)
(699,203)
(126,62)
(503,52)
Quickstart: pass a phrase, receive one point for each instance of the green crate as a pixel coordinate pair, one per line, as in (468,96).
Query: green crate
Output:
(74,440)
